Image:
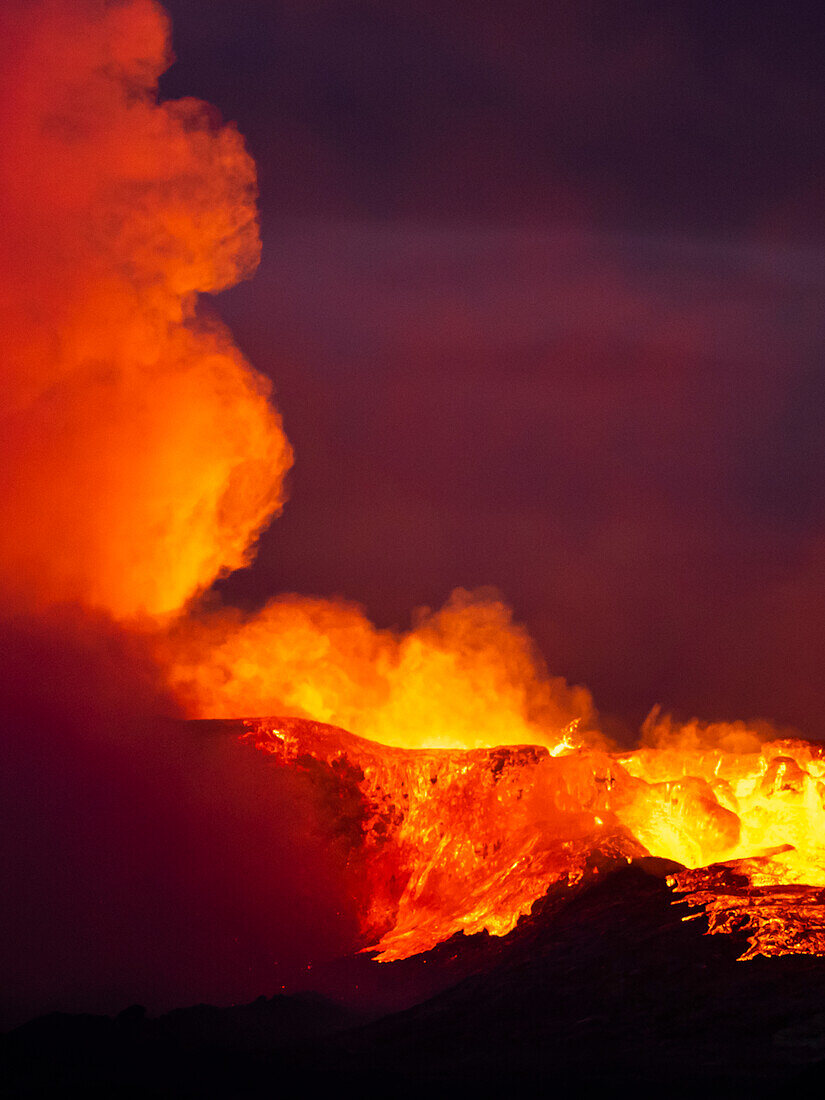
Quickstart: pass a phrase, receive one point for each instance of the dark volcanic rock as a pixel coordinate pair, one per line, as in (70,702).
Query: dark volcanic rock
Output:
(610,988)
(265,1025)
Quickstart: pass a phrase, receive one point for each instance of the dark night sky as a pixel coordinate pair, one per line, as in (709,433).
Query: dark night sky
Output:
(542,299)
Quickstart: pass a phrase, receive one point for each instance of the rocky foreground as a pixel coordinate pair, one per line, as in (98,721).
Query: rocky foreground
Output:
(599,987)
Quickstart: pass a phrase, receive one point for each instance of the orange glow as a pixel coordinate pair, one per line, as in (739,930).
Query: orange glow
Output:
(458,840)
(464,677)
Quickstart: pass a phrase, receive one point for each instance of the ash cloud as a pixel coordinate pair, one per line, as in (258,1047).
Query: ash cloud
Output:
(602,420)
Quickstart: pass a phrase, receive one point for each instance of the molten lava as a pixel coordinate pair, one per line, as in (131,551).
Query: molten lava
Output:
(464,841)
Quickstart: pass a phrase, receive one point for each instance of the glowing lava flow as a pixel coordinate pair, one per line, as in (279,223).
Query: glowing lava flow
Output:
(467,840)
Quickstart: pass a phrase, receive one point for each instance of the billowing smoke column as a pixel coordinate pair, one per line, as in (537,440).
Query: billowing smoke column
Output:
(139,456)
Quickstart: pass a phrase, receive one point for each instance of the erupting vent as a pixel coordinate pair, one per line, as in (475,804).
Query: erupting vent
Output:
(461,841)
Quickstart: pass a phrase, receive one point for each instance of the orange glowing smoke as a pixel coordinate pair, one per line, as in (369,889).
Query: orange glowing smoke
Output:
(464,677)
(139,457)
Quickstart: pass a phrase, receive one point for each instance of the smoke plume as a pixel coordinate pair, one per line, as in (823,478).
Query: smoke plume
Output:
(140,460)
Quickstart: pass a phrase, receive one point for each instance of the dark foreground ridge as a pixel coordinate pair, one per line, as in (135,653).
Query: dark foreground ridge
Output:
(611,987)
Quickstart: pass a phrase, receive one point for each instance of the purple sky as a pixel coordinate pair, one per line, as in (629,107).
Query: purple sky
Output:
(541,297)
